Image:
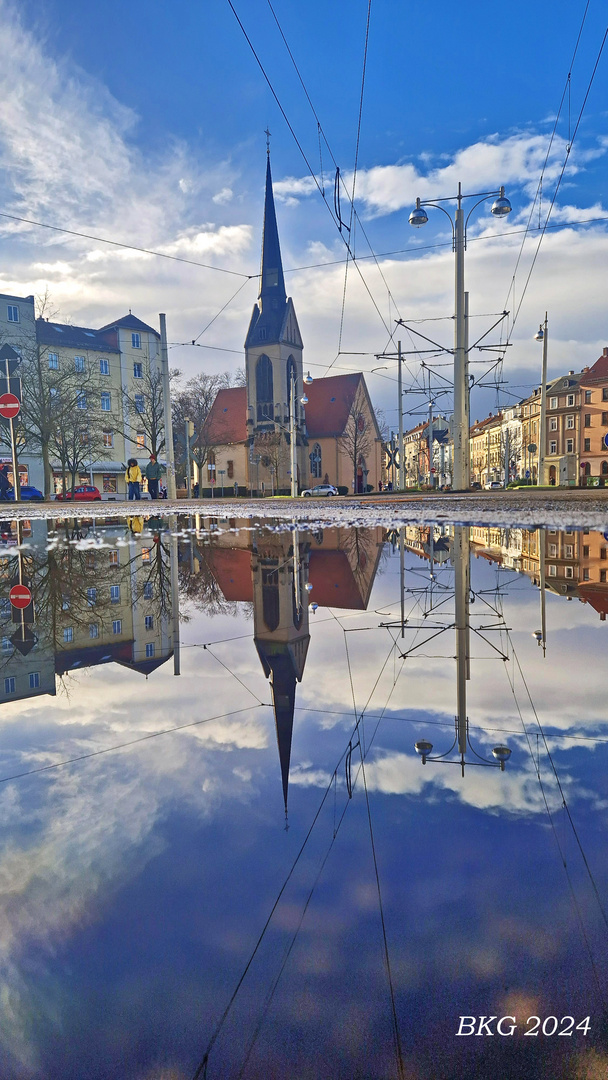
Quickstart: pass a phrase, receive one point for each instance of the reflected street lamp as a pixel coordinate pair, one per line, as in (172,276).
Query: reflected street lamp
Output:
(542,334)
(418,217)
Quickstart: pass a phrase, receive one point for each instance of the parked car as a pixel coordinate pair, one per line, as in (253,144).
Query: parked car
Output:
(320,490)
(27,492)
(476,486)
(494,485)
(84,493)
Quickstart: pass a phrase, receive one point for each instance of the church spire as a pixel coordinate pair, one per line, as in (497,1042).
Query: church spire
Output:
(272,282)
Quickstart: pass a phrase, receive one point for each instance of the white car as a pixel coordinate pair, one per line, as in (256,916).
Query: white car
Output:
(319,491)
(494,485)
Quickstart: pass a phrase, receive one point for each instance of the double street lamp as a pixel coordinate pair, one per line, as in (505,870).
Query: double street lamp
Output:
(292,426)
(418,217)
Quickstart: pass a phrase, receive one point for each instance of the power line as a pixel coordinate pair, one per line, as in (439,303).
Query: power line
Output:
(128,247)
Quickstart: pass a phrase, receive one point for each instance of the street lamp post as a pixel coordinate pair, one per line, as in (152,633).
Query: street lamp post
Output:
(293,429)
(418,217)
(542,335)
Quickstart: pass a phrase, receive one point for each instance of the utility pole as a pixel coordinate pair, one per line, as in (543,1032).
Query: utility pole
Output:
(187,432)
(542,438)
(169,452)
(292,436)
(461,434)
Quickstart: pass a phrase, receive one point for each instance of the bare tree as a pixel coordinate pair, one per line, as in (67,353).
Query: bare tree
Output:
(144,409)
(194,403)
(358,438)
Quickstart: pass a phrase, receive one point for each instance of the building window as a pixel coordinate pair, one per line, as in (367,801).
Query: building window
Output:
(114,557)
(552,570)
(34,680)
(12,313)
(149,622)
(605,419)
(106,401)
(53,361)
(604,468)
(585,575)
(587,446)
(140,439)
(568,551)
(603,576)
(569,446)
(553,447)
(136,341)
(569,422)
(585,551)
(553,403)
(9,684)
(93,629)
(148,591)
(79,363)
(588,396)
(605,393)
(117,626)
(553,551)
(138,371)
(114,593)
(569,572)
(6,644)
(91,596)
(316,462)
(81,399)
(68,634)
(104,366)
(108,438)
(149,649)
(139,403)
(603,553)
(264,389)
(145,554)
(230,468)
(553,423)
(587,419)
(570,399)
(109,484)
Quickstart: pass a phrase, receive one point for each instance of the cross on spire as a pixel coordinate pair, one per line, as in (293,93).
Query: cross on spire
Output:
(267,134)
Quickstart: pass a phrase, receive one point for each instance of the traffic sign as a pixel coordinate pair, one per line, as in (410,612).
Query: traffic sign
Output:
(527,474)
(20,596)
(433,470)
(9,406)
(532,447)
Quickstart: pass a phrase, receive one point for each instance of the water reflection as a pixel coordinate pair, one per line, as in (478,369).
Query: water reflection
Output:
(139,870)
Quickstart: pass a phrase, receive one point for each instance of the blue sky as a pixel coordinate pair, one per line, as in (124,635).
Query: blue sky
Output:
(143,124)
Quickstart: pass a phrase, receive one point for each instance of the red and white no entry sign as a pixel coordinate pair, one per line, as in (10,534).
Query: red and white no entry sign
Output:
(20,596)
(9,406)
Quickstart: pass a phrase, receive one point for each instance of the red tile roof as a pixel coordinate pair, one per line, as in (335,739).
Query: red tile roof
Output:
(226,420)
(231,568)
(598,373)
(329,403)
(333,582)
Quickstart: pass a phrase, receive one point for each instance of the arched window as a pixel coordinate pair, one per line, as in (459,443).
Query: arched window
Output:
(263,389)
(604,468)
(292,374)
(270,598)
(587,471)
(316,462)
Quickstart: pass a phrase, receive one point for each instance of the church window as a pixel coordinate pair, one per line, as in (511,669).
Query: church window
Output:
(262,333)
(270,598)
(264,389)
(316,462)
(230,469)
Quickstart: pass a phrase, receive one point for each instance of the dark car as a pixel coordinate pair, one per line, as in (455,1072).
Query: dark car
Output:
(476,486)
(27,493)
(83,493)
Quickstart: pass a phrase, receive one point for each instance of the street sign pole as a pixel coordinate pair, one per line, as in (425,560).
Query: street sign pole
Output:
(9,415)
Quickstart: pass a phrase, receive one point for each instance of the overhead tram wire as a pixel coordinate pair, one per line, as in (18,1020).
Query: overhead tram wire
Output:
(560,178)
(127,247)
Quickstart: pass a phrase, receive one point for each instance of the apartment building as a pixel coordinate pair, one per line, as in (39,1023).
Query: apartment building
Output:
(18,329)
(563,428)
(594,426)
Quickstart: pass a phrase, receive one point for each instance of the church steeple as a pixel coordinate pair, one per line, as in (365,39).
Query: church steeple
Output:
(272,282)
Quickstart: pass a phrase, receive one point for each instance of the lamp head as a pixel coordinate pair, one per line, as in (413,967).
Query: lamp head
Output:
(308,378)
(313,607)
(502,754)
(423,748)
(538,636)
(501,205)
(540,334)
(308,586)
(304,399)
(418,216)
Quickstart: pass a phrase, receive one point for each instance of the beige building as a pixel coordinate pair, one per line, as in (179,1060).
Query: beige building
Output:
(594,427)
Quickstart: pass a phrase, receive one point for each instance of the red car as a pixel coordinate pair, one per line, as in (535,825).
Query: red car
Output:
(84,493)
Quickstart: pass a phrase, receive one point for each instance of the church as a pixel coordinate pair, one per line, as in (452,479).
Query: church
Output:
(248,431)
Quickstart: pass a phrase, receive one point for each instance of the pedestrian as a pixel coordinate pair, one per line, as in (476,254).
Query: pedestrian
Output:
(390,485)
(4,486)
(133,478)
(379,485)
(153,475)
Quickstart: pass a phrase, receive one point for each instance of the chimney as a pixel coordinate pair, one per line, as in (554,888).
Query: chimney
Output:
(570,373)
(605,352)
(602,616)
(585,369)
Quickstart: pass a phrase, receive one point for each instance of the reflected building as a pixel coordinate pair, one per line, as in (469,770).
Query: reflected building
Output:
(101,595)
(282,574)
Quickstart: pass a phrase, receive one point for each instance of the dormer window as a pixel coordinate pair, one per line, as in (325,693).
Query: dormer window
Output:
(262,333)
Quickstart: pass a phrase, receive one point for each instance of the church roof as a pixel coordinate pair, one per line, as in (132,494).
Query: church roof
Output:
(268,314)
(227,416)
(329,403)
(333,582)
